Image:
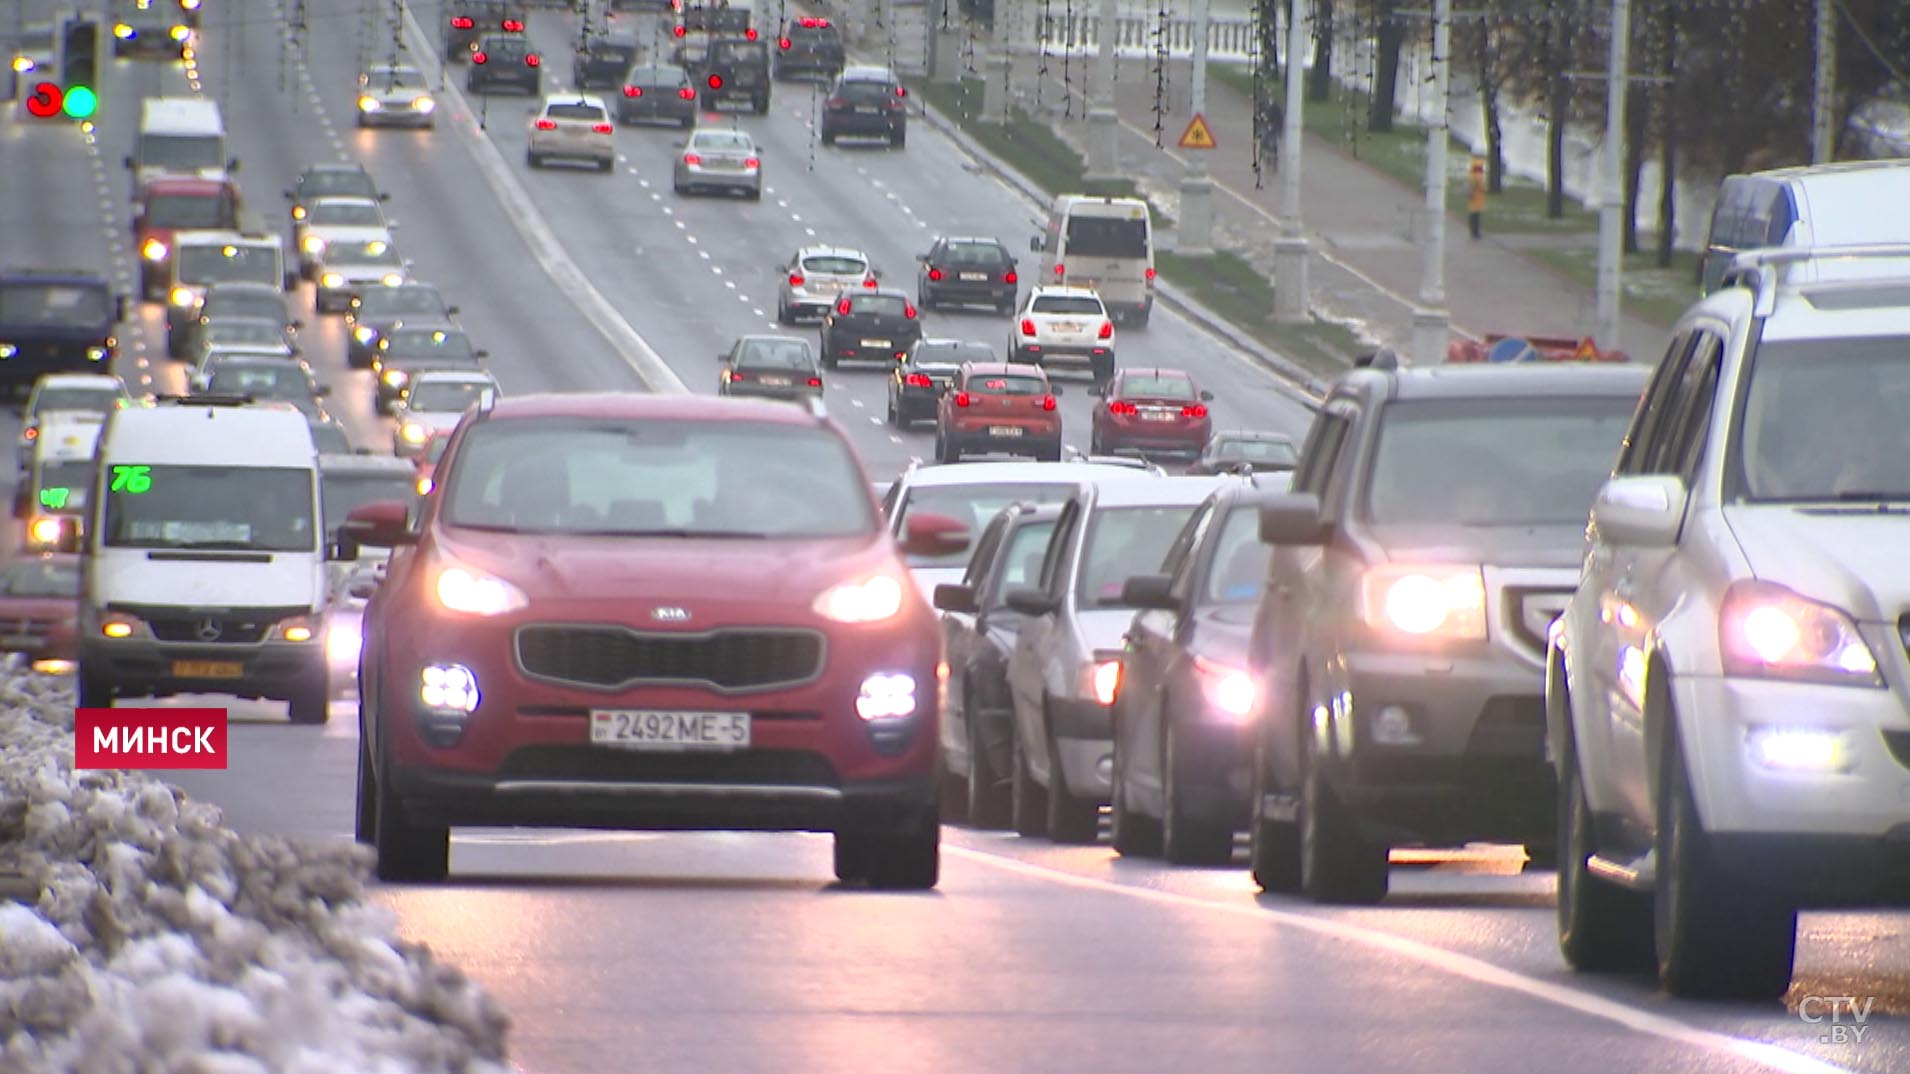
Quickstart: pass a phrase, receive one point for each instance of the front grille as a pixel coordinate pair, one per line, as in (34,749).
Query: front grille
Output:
(230,630)
(1509,728)
(793,768)
(1529,614)
(736,660)
(14,626)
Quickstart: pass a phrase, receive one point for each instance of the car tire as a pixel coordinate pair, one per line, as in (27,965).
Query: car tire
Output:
(1136,835)
(1716,937)
(1602,928)
(1337,865)
(1071,819)
(852,857)
(988,805)
(686,122)
(1027,802)
(756,194)
(1095,447)
(365,823)
(606,165)
(1049,454)
(893,416)
(1184,840)
(95,690)
(910,860)
(951,795)
(1273,856)
(407,852)
(761,105)
(311,702)
(947,450)
(783,315)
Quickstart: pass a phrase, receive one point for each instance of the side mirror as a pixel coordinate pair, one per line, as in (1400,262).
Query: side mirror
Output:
(1645,511)
(1292,518)
(1206,397)
(933,536)
(343,550)
(482,353)
(451,311)
(1032,602)
(955,598)
(1150,591)
(384,524)
(1034,244)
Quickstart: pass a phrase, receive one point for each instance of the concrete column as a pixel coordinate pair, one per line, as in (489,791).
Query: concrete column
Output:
(1290,259)
(1196,238)
(1104,145)
(1431,334)
(994,86)
(1106,37)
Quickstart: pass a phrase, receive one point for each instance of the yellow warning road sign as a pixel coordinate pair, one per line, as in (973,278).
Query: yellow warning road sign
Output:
(1198,134)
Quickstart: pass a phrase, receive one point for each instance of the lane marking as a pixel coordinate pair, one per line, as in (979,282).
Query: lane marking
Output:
(1436,958)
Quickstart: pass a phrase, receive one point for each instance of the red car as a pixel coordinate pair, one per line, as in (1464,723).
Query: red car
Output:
(998,407)
(1153,412)
(39,603)
(649,612)
(427,460)
(169,205)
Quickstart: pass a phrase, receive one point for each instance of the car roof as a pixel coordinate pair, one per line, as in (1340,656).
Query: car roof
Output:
(1509,380)
(464,376)
(645,405)
(199,434)
(574,98)
(995,473)
(1144,490)
(1065,291)
(820,250)
(366,464)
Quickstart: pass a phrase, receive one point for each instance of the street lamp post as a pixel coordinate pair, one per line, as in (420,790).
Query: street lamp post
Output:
(1431,322)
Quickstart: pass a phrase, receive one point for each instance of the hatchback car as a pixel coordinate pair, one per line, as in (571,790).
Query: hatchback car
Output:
(735,69)
(657,93)
(870,326)
(572,126)
(505,60)
(98,393)
(920,378)
(433,402)
(372,313)
(866,102)
(1153,411)
(965,271)
(719,161)
(809,46)
(1064,326)
(411,347)
(282,379)
(39,607)
(395,95)
(1234,450)
(775,367)
(996,408)
(650,612)
(351,266)
(816,276)
(329,181)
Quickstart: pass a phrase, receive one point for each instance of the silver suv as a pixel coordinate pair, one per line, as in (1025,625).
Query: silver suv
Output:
(815,277)
(1728,691)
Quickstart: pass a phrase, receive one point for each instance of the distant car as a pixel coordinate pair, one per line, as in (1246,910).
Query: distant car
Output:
(395,95)
(262,378)
(505,60)
(39,610)
(1064,326)
(238,300)
(720,160)
(870,326)
(467,21)
(966,271)
(920,378)
(353,264)
(33,54)
(601,61)
(775,367)
(1238,449)
(1151,412)
(433,402)
(734,68)
(170,204)
(657,93)
(816,276)
(374,312)
(810,46)
(572,126)
(412,347)
(99,393)
(332,219)
(256,334)
(866,102)
(996,408)
(330,181)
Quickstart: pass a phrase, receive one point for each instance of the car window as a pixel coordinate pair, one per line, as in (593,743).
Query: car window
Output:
(865,90)
(1239,565)
(575,110)
(344,493)
(1123,542)
(879,305)
(243,332)
(346,214)
(1180,559)
(1653,406)
(94,400)
(1691,407)
(1003,384)
(1444,462)
(445,395)
(978,254)
(834,266)
(1106,236)
(776,354)
(658,76)
(374,252)
(41,578)
(327,183)
(973,505)
(1077,304)
(243,304)
(1157,387)
(1825,420)
(190,211)
(208,264)
(982,556)
(64,483)
(1241,449)
(1020,564)
(431,341)
(684,478)
(1322,452)
(260,380)
(258,508)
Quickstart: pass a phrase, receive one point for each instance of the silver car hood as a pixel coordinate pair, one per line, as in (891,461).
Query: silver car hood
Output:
(1848,555)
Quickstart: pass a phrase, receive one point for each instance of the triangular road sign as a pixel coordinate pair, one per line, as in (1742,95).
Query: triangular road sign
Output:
(1198,134)
(1587,351)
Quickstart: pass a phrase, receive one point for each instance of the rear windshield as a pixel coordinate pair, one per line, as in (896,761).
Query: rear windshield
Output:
(575,111)
(437,396)
(974,505)
(1123,542)
(1069,304)
(182,152)
(267,307)
(1279,451)
(780,354)
(344,493)
(93,400)
(881,305)
(346,214)
(946,354)
(258,333)
(997,384)
(328,183)
(54,305)
(1106,236)
(834,266)
(860,90)
(432,341)
(658,76)
(190,211)
(724,141)
(1158,387)
(982,254)
(278,382)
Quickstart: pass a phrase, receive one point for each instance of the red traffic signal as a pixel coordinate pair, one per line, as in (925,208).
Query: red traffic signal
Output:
(46,101)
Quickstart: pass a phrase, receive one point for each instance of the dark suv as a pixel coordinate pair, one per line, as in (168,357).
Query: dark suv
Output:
(866,102)
(578,637)
(601,62)
(809,45)
(467,21)
(878,325)
(959,270)
(735,69)
(505,60)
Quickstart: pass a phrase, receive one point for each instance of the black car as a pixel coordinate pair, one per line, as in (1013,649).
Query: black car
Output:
(866,102)
(735,69)
(505,60)
(916,386)
(601,62)
(978,636)
(330,181)
(657,93)
(776,367)
(467,21)
(713,17)
(377,309)
(870,326)
(411,347)
(963,271)
(285,380)
(1183,716)
(810,46)
(1239,450)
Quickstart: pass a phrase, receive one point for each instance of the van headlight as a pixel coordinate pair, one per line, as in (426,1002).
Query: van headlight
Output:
(1426,601)
(368,103)
(394,378)
(313,245)
(473,593)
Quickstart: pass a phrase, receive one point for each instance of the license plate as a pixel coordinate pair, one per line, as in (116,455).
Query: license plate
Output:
(207,669)
(670,732)
(1157,415)
(974,277)
(878,343)
(1066,326)
(866,110)
(776,382)
(1004,430)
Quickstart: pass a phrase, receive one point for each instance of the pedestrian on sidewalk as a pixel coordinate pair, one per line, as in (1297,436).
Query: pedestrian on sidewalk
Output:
(1476,194)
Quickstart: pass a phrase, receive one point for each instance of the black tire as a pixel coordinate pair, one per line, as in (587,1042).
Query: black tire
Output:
(988,803)
(761,105)
(952,795)
(95,690)
(910,860)
(686,122)
(1184,840)
(756,194)
(945,451)
(706,103)
(407,853)
(1602,928)
(1336,864)
(1136,835)
(1006,309)
(311,702)
(1716,936)
(1070,819)
(678,188)
(365,826)
(1052,454)
(1027,802)
(533,160)
(1273,856)
(606,165)
(852,857)
(783,314)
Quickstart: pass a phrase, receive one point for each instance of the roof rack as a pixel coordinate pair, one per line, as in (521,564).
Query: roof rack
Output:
(1760,269)
(206,399)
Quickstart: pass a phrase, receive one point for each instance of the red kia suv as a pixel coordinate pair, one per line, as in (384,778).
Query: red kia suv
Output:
(1153,412)
(1001,408)
(650,612)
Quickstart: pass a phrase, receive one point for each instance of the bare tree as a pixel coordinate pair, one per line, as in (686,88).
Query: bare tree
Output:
(1320,79)
(1389,36)
(1547,41)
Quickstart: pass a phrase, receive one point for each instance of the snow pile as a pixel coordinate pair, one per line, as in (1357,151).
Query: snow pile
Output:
(164,942)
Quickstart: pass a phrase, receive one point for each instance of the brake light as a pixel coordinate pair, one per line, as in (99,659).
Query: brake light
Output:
(462,22)
(1047,402)
(513,26)
(752,163)
(795,279)
(901,92)
(782,42)
(815,382)
(532,60)
(962,399)
(734,375)
(600,128)
(1125,410)
(934,274)
(811,22)
(679,30)
(750,33)
(842,307)
(1009,277)
(908,311)
(1195,411)
(1027,326)
(546,124)
(918,380)
(1060,269)
(633,91)
(869,283)
(32,433)
(716,81)
(693,160)
(686,93)
(1107,329)
(479,57)
(1150,275)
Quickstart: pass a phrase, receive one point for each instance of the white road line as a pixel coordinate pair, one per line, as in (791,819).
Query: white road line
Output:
(691,239)
(1436,958)
(745,298)
(731,284)
(667,210)
(855,402)
(644,183)
(809,231)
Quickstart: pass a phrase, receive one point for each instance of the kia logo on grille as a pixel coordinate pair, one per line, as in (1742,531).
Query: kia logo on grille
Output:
(670,615)
(209,630)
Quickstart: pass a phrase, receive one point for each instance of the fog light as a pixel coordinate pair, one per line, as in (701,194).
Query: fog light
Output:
(449,688)
(886,696)
(123,31)
(1799,749)
(1393,726)
(342,641)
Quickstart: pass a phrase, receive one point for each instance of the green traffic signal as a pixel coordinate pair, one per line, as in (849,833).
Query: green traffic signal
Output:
(81,102)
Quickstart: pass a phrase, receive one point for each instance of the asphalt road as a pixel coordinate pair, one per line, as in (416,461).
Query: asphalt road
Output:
(735,952)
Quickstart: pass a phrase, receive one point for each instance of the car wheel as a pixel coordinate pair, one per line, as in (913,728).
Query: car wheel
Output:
(311,702)
(686,122)
(1027,802)
(1135,833)
(988,805)
(365,828)
(95,690)
(407,852)
(828,137)
(952,795)
(1716,937)
(1184,840)
(1070,819)
(679,188)
(1602,928)
(762,105)
(1049,454)
(1095,447)
(947,450)
(852,857)
(606,164)
(782,313)
(756,194)
(1273,855)
(910,860)
(1336,864)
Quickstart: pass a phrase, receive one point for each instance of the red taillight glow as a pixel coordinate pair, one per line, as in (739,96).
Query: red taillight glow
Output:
(716,81)
(782,42)
(795,279)
(1121,409)
(1060,270)
(869,283)
(462,22)
(532,60)
(693,160)
(810,22)
(686,93)
(909,312)
(600,128)
(750,33)
(901,92)
(633,91)
(842,307)
(546,124)
(934,274)
(1107,329)
(1150,275)
(513,26)
(1195,411)
(479,57)
(1047,402)
(679,30)
(918,380)
(1027,326)
(1009,277)
(751,163)
(962,399)
(815,382)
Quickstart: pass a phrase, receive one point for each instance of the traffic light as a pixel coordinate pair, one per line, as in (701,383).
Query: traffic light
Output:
(79,66)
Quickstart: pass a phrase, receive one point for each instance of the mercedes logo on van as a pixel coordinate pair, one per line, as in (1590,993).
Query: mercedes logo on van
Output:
(209,630)
(668,614)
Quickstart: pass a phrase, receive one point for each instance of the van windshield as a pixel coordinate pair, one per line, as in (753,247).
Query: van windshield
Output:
(181,152)
(220,264)
(243,508)
(1106,236)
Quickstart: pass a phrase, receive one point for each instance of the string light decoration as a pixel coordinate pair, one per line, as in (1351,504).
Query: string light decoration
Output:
(1160,76)
(1042,32)
(1067,63)
(1257,54)
(968,103)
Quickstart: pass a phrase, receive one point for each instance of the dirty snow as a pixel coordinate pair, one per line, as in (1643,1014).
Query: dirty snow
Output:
(165,942)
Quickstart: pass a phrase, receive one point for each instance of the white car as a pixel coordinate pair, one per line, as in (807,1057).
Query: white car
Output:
(816,276)
(719,161)
(434,401)
(395,95)
(354,262)
(572,126)
(1728,691)
(336,219)
(97,392)
(1064,326)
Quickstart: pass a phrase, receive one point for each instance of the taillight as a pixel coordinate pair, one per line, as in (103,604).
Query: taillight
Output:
(750,33)
(513,26)
(686,93)
(934,274)
(716,81)
(815,382)
(842,307)
(600,128)
(479,57)
(1027,326)
(32,433)
(1009,277)
(901,92)
(693,160)
(633,91)
(811,22)
(1107,329)
(1060,269)
(1150,275)
(546,124)
(1047,402)
(782,42)
(908,311)
(752,162)
(962,399)
(1125,410)
(679,30)
(795,279)
(918,380)
(869,283)
(1195,411)
(462,22)
(734,375)
(532,60)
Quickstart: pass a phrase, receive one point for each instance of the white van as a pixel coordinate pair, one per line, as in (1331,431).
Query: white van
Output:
(1105,244)
(1810,205)
(179,136)
(52,501)
(204,566)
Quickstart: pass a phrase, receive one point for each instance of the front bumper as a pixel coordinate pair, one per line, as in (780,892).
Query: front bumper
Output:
(1084,741)
(140,667)
(710,178)
(397,113)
